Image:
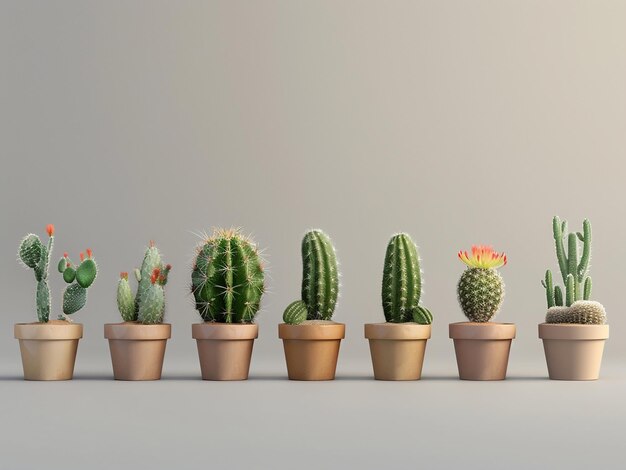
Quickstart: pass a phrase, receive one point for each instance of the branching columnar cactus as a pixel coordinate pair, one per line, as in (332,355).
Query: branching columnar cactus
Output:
(575,306)
(227,280)
(402,283)
(35,255)
(481,289)
(320,280)
(147,306)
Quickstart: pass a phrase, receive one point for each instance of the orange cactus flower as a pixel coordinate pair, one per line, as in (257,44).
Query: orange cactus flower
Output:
(156,273)
(124,275)
(89,253)
(82,256)
(50,230)
(483,257)
(65,255)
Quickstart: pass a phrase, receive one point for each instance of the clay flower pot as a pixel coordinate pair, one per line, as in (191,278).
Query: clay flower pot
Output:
(397,349)
(573,352)
(482,349)
(137,350)
(48,349)
(225,349)
(312,349)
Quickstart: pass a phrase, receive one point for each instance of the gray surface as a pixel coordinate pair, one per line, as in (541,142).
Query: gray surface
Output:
(459,122)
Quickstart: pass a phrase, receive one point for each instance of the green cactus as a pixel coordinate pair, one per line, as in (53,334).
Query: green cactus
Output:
(402,282)
(147,306)
(481,288)
(584,312)
(227,279)
(35,255)
(576,280)
(295,313)
(320,278)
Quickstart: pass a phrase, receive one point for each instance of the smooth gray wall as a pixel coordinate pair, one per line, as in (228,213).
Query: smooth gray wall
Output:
(458,122)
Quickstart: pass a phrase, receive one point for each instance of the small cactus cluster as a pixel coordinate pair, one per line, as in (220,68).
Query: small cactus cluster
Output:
(575,306)
(227,279)
(147,306)
(481,289)
(320,281)
(35,255)
(402,283)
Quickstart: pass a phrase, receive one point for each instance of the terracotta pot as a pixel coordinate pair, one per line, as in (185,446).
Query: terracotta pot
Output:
(482,349)
(573,352)
(48,349)
(312,349)
(397,349)
(225,349)
(137,350)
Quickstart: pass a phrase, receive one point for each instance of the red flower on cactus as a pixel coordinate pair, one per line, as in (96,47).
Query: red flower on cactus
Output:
(50,230)
(89,253)
(156,273)
(82,256)
(65,255)
(124,275)
(483,257)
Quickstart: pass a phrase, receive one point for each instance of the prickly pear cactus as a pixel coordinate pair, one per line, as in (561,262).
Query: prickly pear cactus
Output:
(147,306)
(402,283)
(583,312)
(79,278)
(481,289)
(227,279)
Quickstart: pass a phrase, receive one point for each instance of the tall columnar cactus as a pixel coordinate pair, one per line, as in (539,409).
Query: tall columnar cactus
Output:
(147,306)
(36,255)
(576,280)
(320,279)
(402,283)
(481,289)
(227,279)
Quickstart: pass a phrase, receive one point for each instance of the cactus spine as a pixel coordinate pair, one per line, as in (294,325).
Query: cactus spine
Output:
(227,279)
(575,307)
(402,283)
(147,306)
(481,289)
(320,280)
(35,255)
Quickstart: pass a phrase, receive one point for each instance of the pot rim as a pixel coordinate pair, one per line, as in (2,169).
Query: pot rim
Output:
(482,331)
(224,331)
(312,331)
(573,331)
(132,331)
(48,331)
(408,331)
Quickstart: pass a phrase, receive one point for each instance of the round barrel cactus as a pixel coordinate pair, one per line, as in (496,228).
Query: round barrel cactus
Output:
(481,289)
(227,279)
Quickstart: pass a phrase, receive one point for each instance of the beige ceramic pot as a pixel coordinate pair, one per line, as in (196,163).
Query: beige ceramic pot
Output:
(573,352)
(225,349)
(312,348)
(397,349)
(137,350)
(48,349)
(482,349)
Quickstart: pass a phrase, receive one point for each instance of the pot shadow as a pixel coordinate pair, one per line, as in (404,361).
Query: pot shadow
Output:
(12,378)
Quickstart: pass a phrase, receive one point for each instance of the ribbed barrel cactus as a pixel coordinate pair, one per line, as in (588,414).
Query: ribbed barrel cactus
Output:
(575,306)
(402,283)
(227,279)
(35,255)
(320,280)
(147,305)
(481,289)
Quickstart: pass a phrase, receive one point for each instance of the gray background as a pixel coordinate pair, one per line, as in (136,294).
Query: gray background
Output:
(458,122)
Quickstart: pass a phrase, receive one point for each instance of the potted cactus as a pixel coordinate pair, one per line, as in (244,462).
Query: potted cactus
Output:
(48,347)
(138,344)
(482,347)
(227,282)
(310,338)
(575,329)
(397,346)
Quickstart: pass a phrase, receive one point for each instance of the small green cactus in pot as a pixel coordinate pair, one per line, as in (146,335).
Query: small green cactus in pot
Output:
(402,283)
(481,288)
(35,255)
(147,305)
